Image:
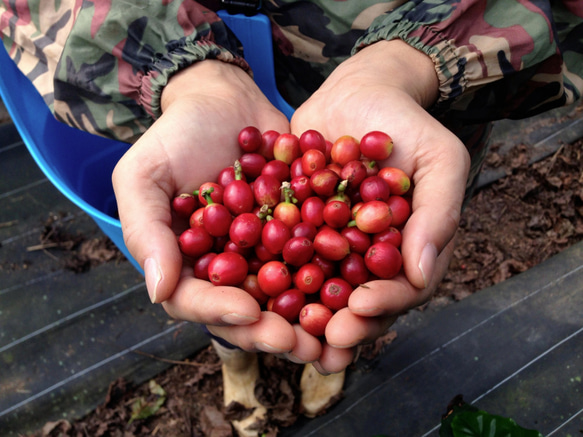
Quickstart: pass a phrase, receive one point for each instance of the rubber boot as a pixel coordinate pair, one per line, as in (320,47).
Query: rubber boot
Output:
(319,391)
(240,371)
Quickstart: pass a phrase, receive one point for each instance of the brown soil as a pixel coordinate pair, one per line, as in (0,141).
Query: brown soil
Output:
(509,227)
(78,252)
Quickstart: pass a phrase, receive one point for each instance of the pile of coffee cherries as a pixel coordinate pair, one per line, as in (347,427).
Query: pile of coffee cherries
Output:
(299,222)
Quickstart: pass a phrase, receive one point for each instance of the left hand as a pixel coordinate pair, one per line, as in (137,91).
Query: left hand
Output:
(386,87)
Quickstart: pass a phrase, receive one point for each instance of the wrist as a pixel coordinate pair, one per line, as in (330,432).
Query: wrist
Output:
(209,77)
(399,65)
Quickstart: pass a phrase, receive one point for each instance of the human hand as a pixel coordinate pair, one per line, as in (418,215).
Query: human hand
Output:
(386,87)
(204,108)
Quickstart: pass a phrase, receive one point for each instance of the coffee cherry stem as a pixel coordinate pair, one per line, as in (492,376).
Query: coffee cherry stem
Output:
(265,213)
(288,192)
(238,170)
(207,195)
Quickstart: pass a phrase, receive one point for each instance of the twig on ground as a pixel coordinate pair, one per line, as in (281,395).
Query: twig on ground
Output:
(166,360)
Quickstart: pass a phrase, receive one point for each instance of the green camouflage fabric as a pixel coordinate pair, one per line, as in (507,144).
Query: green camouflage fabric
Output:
(101,65)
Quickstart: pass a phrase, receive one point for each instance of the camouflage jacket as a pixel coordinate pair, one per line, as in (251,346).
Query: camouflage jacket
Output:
(101,65)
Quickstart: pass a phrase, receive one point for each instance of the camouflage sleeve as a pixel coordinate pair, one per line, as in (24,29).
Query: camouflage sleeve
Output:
(495,59)
(114,58)
(33,34)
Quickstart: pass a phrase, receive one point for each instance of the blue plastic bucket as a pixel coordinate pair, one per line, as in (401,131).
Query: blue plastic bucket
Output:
(77,163)
(255,34)
(80,164)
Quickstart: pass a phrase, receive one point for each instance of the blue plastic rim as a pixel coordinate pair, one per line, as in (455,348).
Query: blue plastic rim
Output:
(80,164)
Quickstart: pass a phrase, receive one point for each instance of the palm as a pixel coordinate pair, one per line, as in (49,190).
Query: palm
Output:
(437,164)
(188,145)
(194,142)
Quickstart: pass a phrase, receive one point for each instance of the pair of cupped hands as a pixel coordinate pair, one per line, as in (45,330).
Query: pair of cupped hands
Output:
(385,87)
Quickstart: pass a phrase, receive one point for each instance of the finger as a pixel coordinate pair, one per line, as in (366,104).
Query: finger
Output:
(334,360)
(396,296)
(380,298)
(144,211)
(307,349)
(271,334)
(347,329)
(439,185)
(201,302)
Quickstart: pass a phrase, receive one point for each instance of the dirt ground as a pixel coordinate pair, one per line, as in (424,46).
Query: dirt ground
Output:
(508,227)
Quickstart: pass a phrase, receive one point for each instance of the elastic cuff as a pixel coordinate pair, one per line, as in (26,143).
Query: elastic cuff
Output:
(450,68)
(179,58)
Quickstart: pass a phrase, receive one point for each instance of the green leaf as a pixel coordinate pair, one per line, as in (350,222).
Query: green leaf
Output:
(456,407)
(482,424)
(465,420)
(156,389)
(143,409)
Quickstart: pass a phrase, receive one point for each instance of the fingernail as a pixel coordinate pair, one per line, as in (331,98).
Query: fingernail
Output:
(320,369)
(264,347)
(346,346)
(357,354)
(237,319)
(427,262)
(291,357)
(153,277)
(367,312)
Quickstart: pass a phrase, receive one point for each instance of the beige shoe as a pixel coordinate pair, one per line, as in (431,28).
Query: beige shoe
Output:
(319,391)
(240,371)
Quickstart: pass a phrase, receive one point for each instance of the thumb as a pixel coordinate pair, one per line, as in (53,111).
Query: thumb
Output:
(146,220)
(439,187)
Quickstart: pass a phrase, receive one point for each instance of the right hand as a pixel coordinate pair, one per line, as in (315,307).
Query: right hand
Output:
(204,108)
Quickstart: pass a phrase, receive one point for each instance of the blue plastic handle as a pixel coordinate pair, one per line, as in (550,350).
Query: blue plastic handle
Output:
(254,32)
